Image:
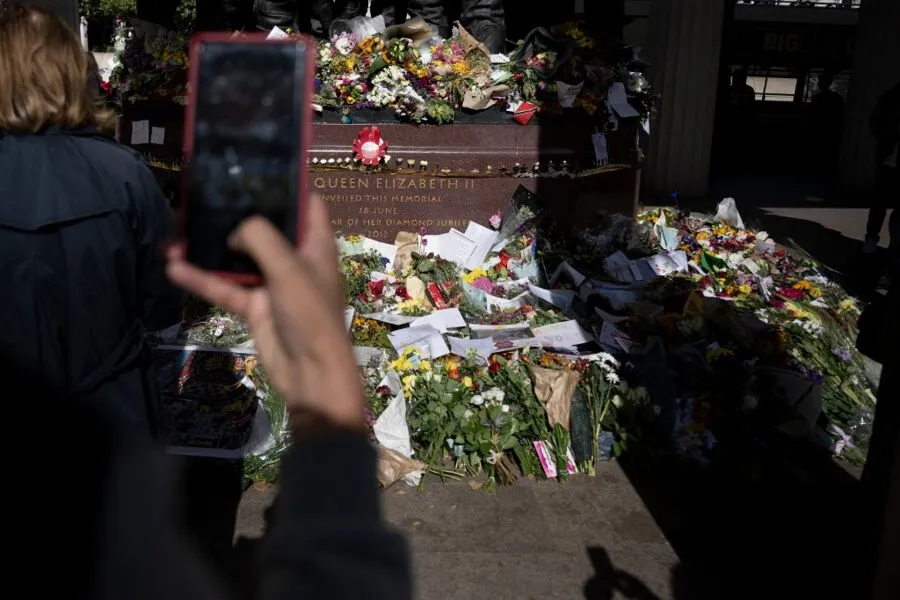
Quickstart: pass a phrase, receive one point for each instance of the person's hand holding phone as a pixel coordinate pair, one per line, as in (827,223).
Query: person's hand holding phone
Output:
(296,316)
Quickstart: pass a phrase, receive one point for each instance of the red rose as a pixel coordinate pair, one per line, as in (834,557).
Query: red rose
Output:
(495,366)
(376,287)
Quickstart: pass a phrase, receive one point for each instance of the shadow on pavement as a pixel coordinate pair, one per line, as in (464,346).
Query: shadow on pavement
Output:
(608,580)
(763,521)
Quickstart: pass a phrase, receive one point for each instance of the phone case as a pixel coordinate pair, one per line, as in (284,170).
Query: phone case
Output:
(304,133)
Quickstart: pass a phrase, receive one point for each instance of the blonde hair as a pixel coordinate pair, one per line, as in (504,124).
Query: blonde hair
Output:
(44,74)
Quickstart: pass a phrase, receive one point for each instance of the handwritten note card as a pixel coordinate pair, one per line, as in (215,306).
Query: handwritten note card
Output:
(140,133)
(158,135)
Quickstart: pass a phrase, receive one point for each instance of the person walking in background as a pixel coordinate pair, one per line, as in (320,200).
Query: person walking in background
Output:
(827,117)
(740,117)
(81,224)
(885,126)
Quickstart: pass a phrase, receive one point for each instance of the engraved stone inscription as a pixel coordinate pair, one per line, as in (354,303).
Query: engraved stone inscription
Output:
(380,205)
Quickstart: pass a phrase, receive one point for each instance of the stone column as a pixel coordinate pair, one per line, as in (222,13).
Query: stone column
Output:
(683,44)
(876,67)
(67,9)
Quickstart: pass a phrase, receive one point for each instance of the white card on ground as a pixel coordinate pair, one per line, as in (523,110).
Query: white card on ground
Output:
(366,355)
(617,98)
(601,150)
(567,334)
(567,269)
(562,299)
(427,339)
(349,313)
(388,251)
(140,132)
(453,246)
(464,347)
(390,318)
(484,239)
(442,320)
(663,264)
(567,94)
(158,135)
(615,261)
(277,33)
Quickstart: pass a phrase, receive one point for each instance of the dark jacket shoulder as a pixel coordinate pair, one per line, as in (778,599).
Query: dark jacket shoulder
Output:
(76,175)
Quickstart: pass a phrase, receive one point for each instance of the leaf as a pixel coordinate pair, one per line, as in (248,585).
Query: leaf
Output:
(378,64)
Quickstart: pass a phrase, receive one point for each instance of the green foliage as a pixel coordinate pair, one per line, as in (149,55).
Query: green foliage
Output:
(185,15)
(107,9)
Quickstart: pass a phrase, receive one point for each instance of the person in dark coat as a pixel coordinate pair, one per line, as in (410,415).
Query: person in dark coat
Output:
(885,127)
(81,224)
(484,19)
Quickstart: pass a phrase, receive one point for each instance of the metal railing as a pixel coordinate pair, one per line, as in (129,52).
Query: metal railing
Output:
(843,4)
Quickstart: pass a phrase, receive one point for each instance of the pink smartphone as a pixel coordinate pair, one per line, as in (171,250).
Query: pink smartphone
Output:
(247,129)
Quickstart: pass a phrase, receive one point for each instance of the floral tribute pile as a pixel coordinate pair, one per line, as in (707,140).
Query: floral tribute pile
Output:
(421,78)
(516,351)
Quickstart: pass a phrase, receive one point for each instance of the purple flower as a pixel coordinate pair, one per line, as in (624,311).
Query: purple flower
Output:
(842,353)
(815,376)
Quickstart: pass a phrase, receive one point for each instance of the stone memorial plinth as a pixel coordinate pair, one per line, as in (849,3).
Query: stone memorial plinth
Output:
(435,177)
(441,177)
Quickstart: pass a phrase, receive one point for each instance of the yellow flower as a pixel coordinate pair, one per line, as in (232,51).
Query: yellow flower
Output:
(451,364)
(425,366)
(802,285)
(847,305)
(718,353)
(814,291)
(467,382)
(409,383)
(745,289)
(461,69)
(354,239)
(474,275)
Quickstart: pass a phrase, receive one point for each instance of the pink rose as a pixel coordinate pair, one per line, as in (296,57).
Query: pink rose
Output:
(495,220)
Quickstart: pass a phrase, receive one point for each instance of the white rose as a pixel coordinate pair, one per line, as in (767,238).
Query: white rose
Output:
(499,395)
(505,408)
(477,400)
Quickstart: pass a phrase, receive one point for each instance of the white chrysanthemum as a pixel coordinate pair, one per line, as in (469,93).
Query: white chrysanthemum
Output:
(477,400)
(607,359)
(612,377)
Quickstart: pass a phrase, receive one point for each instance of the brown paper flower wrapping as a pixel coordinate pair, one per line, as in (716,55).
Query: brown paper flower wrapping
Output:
(393,466)
(477,54)
(555,389)
(406,243)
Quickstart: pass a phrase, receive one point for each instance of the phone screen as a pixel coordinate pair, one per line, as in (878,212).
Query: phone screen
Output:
(247,148)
